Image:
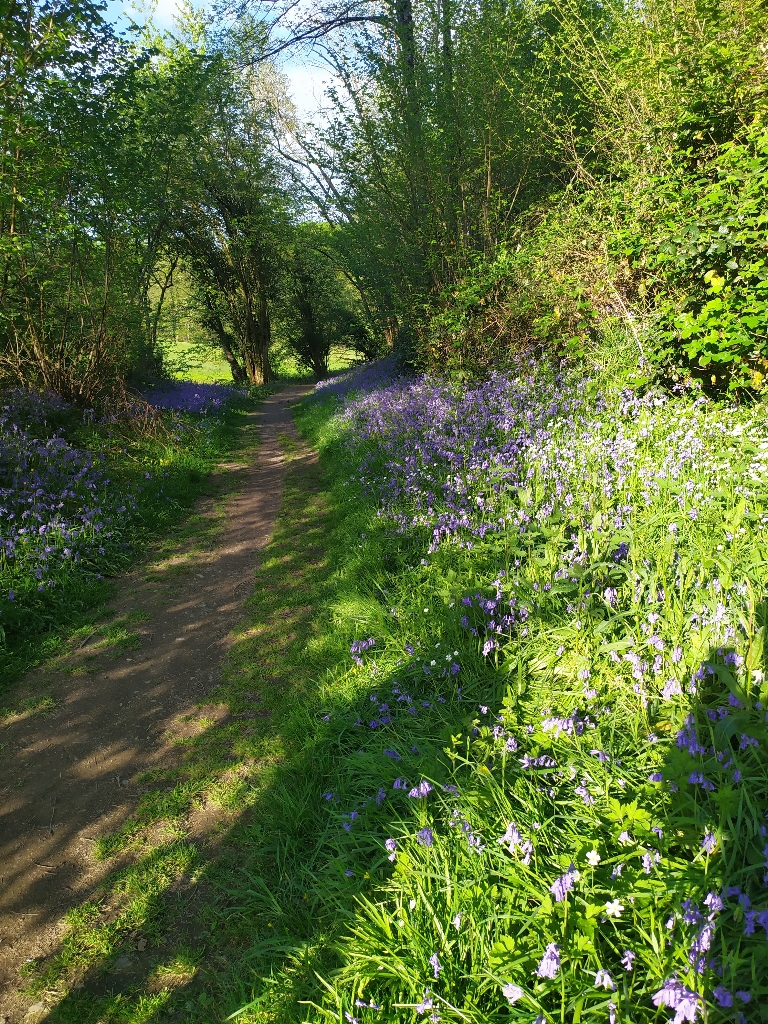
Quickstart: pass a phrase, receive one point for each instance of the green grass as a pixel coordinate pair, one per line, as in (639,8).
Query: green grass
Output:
(189,360)
(194,360)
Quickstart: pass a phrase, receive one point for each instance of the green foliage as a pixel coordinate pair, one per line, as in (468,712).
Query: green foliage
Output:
(320,309)
(471,898)
(531,171)
(707,263)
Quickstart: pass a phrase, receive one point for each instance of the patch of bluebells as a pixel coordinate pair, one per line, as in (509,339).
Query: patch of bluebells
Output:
(61,510)
(534,457)
(190,397)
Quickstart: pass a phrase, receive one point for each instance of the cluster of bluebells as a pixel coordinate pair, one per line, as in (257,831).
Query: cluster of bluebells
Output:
(187,396)
(578,479)
(60,507)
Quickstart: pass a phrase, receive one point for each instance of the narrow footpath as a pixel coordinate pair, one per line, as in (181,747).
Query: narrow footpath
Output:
(68,776)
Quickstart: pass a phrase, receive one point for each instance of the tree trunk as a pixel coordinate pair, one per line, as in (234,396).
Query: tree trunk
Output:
(257,337)
(214,322)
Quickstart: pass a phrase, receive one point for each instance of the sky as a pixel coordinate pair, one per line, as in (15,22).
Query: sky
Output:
(305,76)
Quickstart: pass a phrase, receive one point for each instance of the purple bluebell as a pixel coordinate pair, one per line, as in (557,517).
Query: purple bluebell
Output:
(425,837)
(678,997)
(549,965)
(563,885)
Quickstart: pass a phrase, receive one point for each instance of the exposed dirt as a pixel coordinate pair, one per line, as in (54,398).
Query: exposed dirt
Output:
(67,776)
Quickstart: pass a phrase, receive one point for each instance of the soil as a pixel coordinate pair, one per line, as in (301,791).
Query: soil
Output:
(68,776)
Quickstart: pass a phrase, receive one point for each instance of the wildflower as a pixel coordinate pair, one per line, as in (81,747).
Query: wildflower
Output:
(655,777)
(593,858)
(422,790)
(456,922)
(709,842)
(625,839)
(550,962)
(425,837)
(350,1019)
(391,846)
(723,997)
(678,997)
(512,993)
(435,964)
(425,1004)
(604,980)
(563,885)
(612,1013)
(671,689)
(628,959)
(698,779)
(513,839)
(614,909)
(584,793)
(745,997)
(400,783)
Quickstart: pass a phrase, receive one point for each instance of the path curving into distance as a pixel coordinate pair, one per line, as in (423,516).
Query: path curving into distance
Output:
(67,776)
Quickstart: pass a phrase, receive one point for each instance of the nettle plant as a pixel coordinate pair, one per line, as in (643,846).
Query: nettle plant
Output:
(559,788)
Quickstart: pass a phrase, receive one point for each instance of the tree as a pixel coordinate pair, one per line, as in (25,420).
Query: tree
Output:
(230,207)
(319,308)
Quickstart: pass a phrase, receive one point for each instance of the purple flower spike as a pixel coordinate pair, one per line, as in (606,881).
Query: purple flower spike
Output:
(678,997)
(723,997)
(709,842)
(423,789)
(549,967)
(425,837)
(628,959)
(563,885)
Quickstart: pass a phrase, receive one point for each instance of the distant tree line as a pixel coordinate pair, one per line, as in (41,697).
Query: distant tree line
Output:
(490,175)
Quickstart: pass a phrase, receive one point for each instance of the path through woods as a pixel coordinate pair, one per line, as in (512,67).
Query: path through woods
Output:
(73,775)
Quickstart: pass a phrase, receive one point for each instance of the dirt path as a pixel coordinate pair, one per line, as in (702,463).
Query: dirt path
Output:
(68,776)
